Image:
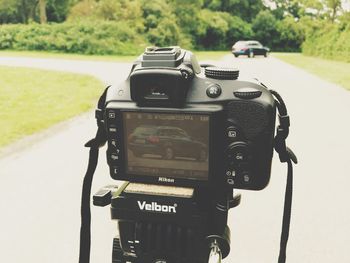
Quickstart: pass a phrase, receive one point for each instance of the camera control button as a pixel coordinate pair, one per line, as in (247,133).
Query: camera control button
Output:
(232,133)
(213,91)
(230,173)
(114,171)
(114,143)
(114,158)
(230,181)
(239,156)
(246,178)
(112,114)
(238,152)
(112,130)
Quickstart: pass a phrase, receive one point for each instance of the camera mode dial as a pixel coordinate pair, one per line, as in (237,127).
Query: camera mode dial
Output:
(221,73)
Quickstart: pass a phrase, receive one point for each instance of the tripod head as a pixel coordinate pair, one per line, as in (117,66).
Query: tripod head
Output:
(166,224)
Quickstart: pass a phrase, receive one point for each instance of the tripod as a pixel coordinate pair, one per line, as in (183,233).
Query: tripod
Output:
(215,255)
(186,231)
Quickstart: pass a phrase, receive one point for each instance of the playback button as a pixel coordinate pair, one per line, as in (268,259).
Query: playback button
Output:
(232,133)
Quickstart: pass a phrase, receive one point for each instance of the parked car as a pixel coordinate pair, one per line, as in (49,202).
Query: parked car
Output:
(249,48)
(166,141)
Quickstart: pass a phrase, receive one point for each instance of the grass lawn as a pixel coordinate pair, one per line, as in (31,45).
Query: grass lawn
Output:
(333,71)
(45,54)
(201,55)
(211,55)
(32,100)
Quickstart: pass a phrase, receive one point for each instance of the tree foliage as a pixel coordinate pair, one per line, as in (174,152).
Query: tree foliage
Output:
(245,9)
(24,11)
(200,24)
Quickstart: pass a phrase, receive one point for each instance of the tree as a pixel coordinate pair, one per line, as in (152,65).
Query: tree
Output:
(8,11)
(265,28)
(58,10)
(213,30)
(160,23)
(42,11)
(23,11)
(245,9)
(288,7)
(237,30)
(334,6)
(291,34)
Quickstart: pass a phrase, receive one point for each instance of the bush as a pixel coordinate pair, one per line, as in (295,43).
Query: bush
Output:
(265,30)
(213,31)
(291,35)
(98,37)
(160,25)
(220,31)
(330,42)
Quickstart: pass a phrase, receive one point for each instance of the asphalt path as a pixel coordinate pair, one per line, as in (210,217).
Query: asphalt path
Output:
(41,176)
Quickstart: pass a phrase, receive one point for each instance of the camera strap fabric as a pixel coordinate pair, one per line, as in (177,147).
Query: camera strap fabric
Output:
(94,145)
(285,155)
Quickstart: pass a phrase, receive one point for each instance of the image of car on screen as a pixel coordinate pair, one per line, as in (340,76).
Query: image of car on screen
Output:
(168,142)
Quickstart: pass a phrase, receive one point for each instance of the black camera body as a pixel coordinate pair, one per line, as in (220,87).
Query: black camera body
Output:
(170,124)
(183,140)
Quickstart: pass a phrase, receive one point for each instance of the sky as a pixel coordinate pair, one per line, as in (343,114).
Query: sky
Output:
(345,4)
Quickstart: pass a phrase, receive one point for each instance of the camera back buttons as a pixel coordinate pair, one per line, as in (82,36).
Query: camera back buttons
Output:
(214,91)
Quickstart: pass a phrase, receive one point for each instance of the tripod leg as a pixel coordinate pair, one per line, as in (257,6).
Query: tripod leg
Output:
(215,255)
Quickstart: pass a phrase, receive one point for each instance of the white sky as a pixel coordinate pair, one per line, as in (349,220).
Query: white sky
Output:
(345,4)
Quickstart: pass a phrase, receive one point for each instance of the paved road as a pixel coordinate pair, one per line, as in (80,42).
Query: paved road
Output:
(40,185)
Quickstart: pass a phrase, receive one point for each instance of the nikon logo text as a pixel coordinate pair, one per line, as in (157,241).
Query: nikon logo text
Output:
(166,180)
(155,207)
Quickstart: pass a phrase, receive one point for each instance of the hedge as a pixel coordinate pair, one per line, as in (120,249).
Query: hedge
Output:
(332,42)
(97,37)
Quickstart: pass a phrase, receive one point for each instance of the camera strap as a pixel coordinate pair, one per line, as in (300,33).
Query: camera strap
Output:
(285,155)
(94,145)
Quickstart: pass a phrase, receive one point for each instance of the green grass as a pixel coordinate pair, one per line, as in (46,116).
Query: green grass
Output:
(201,55)
(45,54)
(333,71)
(32,100)
(211,55)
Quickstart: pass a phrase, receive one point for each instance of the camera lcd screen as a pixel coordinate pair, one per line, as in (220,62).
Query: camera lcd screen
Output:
(170,145)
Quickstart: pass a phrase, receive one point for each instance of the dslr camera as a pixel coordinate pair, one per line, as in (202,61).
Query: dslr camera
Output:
(182,137)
